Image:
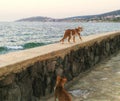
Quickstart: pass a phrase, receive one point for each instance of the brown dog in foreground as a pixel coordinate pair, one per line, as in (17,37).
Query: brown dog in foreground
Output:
(72,33)
(60,93)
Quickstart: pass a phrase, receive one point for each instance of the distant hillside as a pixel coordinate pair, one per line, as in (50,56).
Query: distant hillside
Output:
(115,13)
(104,16)
(38,18)
(109,16)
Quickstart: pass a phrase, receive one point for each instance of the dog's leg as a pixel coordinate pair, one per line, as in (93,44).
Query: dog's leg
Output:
(79,36)
(74,39)
(62,40)
(69,38)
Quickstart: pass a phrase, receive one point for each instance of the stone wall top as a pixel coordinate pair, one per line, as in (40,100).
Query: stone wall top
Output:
(16,61)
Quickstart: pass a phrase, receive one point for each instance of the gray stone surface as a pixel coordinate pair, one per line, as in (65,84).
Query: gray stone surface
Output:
(102,83)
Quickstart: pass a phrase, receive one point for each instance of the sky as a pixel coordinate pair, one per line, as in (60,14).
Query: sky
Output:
(11,10)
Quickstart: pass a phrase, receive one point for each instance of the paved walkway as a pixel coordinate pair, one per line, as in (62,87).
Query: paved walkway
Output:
(100,84)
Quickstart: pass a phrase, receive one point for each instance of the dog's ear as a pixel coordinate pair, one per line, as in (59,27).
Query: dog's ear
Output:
(80,28)
(64,80)
(58,79)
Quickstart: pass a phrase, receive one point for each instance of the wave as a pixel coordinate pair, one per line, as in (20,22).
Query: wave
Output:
(6,49)
(32,45)
(3,48)
(14,47)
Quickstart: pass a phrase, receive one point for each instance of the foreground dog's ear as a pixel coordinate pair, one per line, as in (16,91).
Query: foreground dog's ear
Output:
(58,79)
(64,80)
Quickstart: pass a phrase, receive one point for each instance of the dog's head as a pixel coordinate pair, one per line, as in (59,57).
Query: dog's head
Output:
(80,28)
(60,81)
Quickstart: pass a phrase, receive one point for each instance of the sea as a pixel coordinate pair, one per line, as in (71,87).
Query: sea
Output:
(15,36)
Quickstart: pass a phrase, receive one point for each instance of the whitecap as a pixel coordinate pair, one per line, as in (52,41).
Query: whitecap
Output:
(14,47)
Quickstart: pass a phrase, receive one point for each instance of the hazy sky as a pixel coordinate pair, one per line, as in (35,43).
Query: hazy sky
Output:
(11,10)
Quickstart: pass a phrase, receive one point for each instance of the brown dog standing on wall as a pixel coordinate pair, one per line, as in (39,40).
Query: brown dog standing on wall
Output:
(60,93)
(72,33)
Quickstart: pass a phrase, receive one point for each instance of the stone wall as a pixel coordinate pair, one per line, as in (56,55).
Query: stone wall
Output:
(38,79)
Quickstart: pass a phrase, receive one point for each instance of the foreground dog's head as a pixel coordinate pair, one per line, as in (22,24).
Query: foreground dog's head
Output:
(60,82)
(60,93)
